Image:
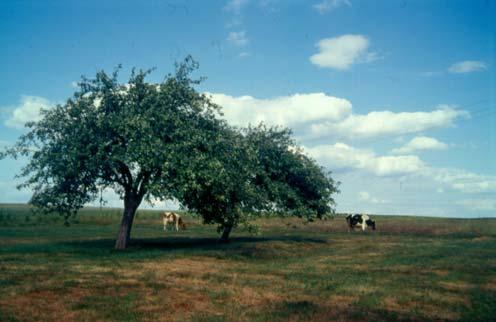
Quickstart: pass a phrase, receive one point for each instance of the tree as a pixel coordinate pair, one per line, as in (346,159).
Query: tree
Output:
(255,171)
(112,135)
(165,141)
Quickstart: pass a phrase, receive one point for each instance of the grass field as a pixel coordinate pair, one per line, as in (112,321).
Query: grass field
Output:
(410,268)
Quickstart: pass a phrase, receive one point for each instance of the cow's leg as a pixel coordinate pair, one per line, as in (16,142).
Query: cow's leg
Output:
(177,224)
(165,225)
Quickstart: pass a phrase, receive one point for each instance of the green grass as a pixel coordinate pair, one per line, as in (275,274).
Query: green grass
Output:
(411,268)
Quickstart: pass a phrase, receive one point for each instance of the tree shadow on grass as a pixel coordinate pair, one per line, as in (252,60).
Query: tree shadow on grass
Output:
(247,247)
(209,242)
(146,248)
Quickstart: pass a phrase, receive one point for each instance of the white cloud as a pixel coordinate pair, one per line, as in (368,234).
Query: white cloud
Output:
(325,116)
(462,180)
(235,6)
(478,204)
(237,38)
(342,52)
(420,143)
(387,123)
(342,157)
(467,66)
(396,165)
(329,5)
(365,196)
(244,54)
(28,110)
(286,110)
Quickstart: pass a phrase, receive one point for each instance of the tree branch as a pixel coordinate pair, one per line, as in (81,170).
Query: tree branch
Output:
(141,184)
(126,174)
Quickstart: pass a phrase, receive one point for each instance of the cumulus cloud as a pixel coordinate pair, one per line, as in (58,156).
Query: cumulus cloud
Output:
(285,111)
(467,66)
(462,180)
(342,157)
(420,143)
(237,38)
(365,196)
(342,52)
(329,5)
(28,110)
(325,116)
(387,123)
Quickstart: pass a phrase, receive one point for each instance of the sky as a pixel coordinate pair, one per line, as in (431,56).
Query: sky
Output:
(396,98)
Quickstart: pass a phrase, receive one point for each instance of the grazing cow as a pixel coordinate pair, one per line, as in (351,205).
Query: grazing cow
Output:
(359,220)
(174,219)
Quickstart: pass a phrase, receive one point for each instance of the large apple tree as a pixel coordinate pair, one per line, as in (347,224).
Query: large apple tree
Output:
(160,141)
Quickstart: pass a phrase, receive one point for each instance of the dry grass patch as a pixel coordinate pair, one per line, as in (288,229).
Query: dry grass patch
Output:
(176,303)
(411,306)
(439,312)
(44,305)
(248,296)
(456,286)
(192,265)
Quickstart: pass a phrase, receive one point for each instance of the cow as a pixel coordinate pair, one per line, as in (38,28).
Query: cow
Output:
(174,219)
(363,221)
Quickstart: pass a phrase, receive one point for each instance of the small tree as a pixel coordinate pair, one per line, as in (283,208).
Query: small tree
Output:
(252,172)
(110,135)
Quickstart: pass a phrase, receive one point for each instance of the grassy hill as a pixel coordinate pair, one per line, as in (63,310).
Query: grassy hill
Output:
(410,268)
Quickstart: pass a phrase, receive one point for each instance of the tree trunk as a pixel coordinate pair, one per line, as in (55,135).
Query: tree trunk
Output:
(124,235)
(225,234)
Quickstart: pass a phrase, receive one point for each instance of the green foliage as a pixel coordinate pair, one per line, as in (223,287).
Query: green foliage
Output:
(111,135)
(162,141)
(293,183)
(253,172)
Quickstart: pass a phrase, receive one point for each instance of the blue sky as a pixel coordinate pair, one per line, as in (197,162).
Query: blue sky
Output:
(397,98)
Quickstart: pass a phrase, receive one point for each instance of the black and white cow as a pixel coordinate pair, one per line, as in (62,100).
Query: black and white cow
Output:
(363,221)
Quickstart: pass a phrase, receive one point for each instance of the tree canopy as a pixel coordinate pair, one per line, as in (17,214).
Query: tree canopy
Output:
(162,141)
(254,171)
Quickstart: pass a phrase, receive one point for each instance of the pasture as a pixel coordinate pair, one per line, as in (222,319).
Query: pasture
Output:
(410,268)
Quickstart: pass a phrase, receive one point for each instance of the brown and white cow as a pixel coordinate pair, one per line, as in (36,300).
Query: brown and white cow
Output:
(173,219)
